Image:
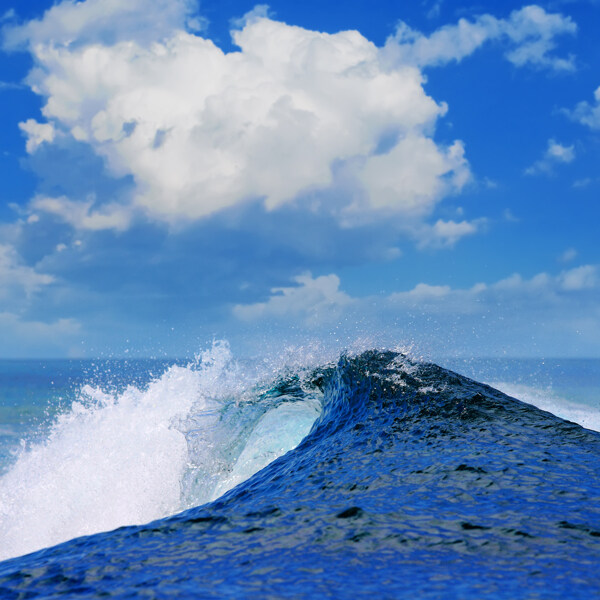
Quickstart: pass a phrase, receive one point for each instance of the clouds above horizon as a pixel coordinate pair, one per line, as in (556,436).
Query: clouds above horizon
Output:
(309,295)
(449,319)
(166,179)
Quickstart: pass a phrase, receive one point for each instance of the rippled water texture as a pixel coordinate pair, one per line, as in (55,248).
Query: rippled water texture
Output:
(413,482)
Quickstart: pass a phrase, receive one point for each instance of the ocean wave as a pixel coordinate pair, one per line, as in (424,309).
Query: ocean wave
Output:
(115,459)
(385,476)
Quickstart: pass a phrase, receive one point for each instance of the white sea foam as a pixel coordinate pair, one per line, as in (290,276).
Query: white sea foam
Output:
(125,459)
(583,414)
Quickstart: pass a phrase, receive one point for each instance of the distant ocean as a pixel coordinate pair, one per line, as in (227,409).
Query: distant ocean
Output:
(364,475)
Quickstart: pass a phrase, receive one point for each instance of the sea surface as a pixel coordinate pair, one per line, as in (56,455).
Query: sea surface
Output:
(372,474)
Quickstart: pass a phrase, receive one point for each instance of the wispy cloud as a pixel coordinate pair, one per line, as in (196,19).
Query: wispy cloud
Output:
(434,8)
(530,33)
(81,214)
(9,15)
(555,154)
(18,281)
(587,113)
(569,255)
(11,85)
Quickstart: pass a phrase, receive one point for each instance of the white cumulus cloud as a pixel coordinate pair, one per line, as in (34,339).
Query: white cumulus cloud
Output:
(37,134)
(580,278)
(314,299)
(200,130)
(104,21)
(414,175)
(447,233)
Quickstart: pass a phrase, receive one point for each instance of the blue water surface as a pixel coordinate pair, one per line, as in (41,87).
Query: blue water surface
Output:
(414,481)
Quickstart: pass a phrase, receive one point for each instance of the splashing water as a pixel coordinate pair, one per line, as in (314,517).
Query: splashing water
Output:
(130,458)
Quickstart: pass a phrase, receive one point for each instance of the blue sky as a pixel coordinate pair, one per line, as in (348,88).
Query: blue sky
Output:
(422,174)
